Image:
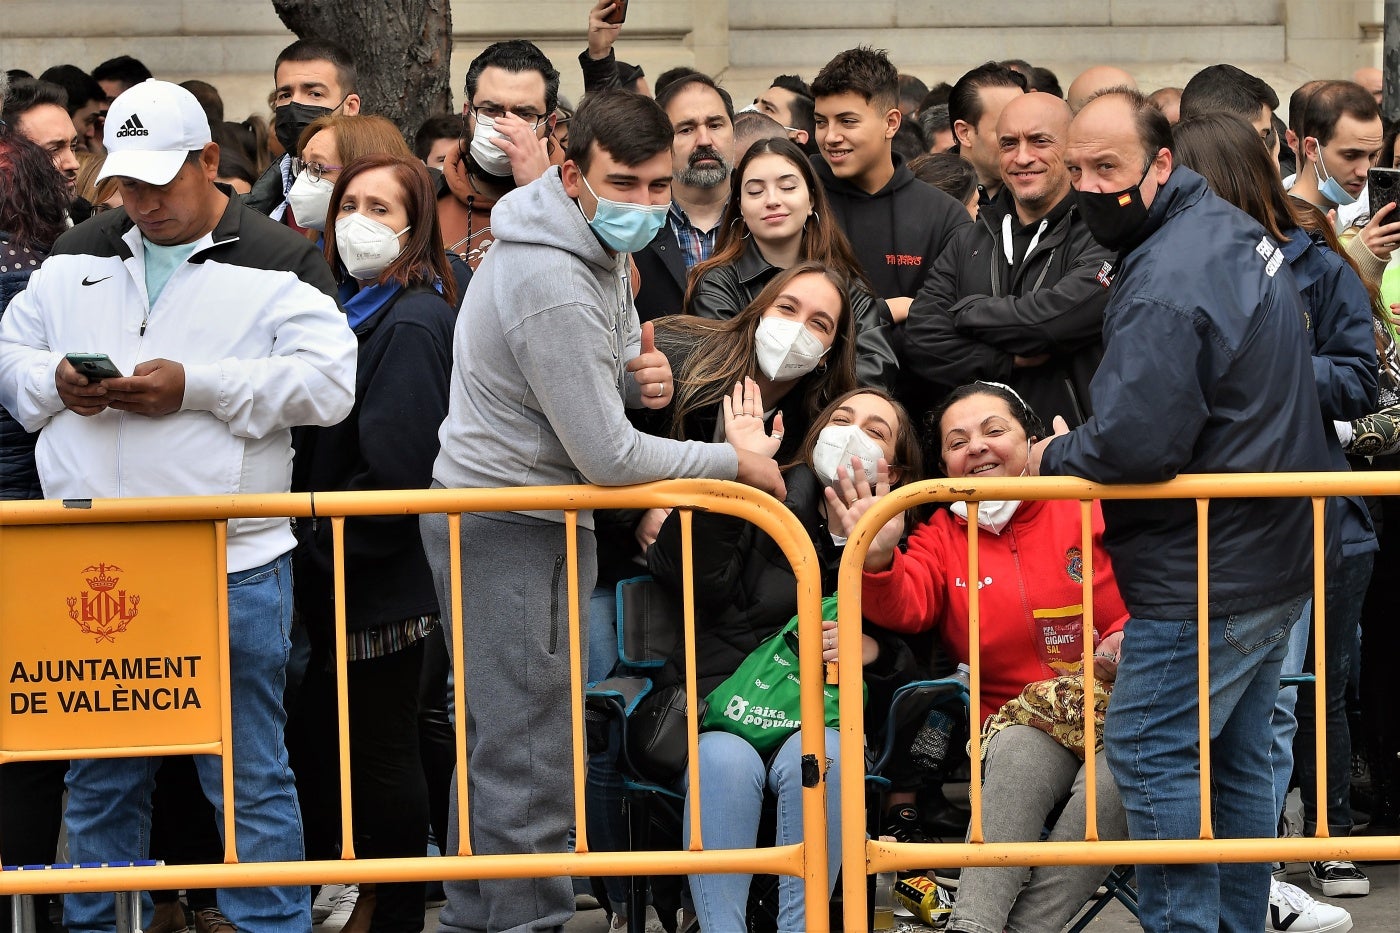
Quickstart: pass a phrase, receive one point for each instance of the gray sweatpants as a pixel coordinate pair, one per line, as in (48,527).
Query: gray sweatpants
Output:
(1025,775)
(515,650)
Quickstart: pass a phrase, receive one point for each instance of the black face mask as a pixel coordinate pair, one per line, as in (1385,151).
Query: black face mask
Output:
(291,119)
(1114,218)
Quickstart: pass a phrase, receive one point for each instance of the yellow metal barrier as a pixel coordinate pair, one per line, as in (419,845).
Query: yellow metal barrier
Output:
(209,515)
(861,857)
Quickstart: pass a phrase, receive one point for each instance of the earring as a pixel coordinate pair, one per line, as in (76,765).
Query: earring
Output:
(817,217)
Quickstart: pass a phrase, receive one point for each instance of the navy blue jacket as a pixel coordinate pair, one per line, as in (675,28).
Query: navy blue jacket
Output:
(1207,368)
(1344,361)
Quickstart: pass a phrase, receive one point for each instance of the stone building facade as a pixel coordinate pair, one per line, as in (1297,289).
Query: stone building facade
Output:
(232,43)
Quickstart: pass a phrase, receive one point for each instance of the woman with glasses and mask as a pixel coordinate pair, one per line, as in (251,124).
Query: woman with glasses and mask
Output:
(777,216)
(383,241)
(327,145)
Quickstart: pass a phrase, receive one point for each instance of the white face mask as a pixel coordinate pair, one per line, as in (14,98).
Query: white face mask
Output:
(492,160)
(366,247)
(786,349)
(310,201)
(993,514)
(837,444)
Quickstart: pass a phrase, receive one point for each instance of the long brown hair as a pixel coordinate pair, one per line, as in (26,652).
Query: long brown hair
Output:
(908,450)
(718,354)
(1228,153)
(423,260)
(822,239)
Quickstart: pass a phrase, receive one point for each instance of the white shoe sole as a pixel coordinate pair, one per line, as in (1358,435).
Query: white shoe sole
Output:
(1343,888)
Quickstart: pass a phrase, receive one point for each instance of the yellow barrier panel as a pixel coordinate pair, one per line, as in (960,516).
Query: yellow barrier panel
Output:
(141,524)
(861,857)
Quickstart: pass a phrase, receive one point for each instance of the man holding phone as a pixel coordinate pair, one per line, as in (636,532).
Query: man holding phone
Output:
(226,322)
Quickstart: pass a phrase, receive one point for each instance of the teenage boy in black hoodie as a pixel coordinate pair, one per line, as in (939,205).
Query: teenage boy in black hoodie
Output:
(897,225)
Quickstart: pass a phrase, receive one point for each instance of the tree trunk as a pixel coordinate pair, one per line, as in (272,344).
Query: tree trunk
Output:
(402,49)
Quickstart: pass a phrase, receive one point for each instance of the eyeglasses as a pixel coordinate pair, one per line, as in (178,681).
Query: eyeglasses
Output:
(493,112)
(314,170)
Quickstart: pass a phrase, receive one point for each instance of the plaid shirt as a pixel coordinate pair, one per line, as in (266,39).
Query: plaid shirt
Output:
(696,244)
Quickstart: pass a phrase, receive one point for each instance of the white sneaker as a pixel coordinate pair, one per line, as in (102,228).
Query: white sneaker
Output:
(1293,910)
(341,909)
(653,924)
(324,903)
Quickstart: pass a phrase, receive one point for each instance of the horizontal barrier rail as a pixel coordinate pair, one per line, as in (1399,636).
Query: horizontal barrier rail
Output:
(806,860)
(861,857)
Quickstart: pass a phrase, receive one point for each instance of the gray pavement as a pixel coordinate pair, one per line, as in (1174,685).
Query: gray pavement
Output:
(1379,912)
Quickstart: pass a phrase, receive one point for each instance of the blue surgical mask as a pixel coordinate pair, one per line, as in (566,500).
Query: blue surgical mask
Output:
(624,227)
(1329,187)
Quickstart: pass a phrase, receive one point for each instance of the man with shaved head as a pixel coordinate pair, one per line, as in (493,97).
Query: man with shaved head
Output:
(1206,369)
(1017,297)
(1094,79)
(1372,80)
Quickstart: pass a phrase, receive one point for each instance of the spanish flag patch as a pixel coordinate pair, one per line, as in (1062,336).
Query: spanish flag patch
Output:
(1125,199)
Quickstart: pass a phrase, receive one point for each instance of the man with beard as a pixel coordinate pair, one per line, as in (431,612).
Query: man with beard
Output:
(1017,297)
(314,78)
(702,156)
(512,90)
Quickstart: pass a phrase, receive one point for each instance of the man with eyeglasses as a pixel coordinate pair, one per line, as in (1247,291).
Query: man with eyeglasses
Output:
(314,78)
(512,91)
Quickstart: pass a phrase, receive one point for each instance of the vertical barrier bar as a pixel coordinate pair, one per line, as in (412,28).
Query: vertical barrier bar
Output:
(1320,622)
(342,689)
(815,854)
(1086,569)
(855,843)
(974,645)
(692,721)
(459,696)
(225,692)
(1203,658)
(576,682)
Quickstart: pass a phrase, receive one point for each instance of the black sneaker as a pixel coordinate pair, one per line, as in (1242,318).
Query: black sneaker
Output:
(1338,879)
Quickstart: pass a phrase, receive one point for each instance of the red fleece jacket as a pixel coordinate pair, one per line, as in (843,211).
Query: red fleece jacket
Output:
(1035,564)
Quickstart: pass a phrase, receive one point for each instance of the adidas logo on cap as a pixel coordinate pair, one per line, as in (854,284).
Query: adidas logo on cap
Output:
(132,127)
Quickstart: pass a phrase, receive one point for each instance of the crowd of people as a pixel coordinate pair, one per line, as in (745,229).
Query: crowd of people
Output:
(848,285)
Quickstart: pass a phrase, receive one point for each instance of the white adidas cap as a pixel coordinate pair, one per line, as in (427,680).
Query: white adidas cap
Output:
(151,128)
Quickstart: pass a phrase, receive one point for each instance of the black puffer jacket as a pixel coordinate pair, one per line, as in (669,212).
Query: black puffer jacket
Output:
(745,589)
(19,477)
(726,290)
(1207,368)
(977,312)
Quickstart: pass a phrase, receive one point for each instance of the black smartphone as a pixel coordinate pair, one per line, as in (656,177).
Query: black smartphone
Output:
(618,15)
(1383,185)
(94,365)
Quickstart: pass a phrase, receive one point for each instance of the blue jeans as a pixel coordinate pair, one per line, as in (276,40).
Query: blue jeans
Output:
(1152,742)
(1346,591)
(732,781)
(1285,723)
(109,799)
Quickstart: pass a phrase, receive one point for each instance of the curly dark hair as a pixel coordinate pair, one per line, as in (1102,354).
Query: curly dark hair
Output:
(34,196)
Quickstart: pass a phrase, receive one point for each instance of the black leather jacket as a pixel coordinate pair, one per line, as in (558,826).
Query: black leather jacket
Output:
(726,290)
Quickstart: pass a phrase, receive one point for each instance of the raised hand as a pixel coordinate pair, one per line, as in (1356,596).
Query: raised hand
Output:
(850,497)
(652,371)
(743,421)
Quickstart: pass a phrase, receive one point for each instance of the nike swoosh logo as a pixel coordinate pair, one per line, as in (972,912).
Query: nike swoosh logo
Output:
(95,281)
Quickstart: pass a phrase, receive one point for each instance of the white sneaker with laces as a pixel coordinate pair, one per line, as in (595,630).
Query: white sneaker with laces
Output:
(324,903)
(1293,910)
(341,910)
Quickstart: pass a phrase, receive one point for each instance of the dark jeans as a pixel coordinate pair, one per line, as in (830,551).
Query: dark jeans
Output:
(387,786)
(1346,591)
(31,812)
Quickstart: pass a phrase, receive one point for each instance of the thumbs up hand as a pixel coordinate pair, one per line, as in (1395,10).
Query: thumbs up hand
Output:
(652,371)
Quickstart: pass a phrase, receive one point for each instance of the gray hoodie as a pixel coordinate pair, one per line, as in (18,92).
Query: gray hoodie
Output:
(539,378)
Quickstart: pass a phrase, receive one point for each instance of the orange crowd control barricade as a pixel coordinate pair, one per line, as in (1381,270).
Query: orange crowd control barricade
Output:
(113,614)
(861,857)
